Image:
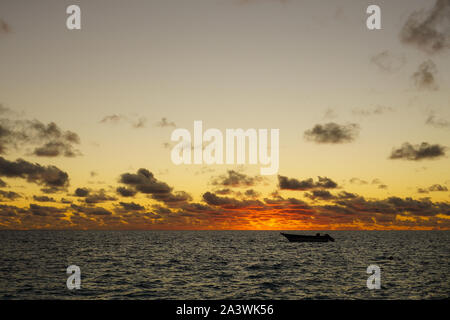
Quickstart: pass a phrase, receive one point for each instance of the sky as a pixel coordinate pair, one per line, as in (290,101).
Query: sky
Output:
(86,115)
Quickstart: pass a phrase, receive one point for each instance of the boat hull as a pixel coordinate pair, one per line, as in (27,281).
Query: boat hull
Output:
(303,238)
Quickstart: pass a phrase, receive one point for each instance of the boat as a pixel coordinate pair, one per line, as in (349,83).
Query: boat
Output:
(307,238)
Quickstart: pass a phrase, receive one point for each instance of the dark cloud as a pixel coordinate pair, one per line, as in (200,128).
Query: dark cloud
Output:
(55,149)
(251,193)
(43,199)
(173,198)
(429,30)
(437,187)
(131,206)
(165,123)
(4,27)
(51,177)
(126,192)
(393,206)
(46,211)
(379,184)
(94,211)
(224,191)
(81,192)
(230,203)
(425,77)
(294,184)
(48,140)
(418,152)
(326,195)
(9,195)
(433,188)
(388,62)
(98,196)
(9,211)
(346,195)
(158,209)
(319,194)
(236,179)
(332,133)
(144,181)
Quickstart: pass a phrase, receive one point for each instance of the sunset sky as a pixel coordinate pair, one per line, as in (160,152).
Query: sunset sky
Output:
(86,115)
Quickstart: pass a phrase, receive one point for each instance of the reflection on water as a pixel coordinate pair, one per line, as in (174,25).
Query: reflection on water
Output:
(223,265)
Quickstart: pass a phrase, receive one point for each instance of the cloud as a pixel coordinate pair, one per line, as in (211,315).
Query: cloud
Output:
(294,184)
(379,184)
(144,181)
(43,199)
(50,176)
(358,181)
(173,199)
(54,149)
(114,118)
(165,123)
(330,114)
(135,122)
(131,206)
(327,195)
(4,27)
(81,192)
(224,191)
(230,203)
(139,123)
(418,152)
(433,188)
(52,141)
(236,179)
(46,211)
(3,184)
(319,194)
(92,211)
(378,110)
(97,196)
(126,192)
(332,133)
(425,77)
(429,30)
(346,195)
(9,195)
(388,62)
(432,120)
(251,193)
(437,187)
(395,205)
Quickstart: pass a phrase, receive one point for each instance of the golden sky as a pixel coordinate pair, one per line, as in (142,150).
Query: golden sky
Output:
(86,115)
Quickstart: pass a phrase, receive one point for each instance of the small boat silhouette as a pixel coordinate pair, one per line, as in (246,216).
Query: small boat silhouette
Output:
(304,238)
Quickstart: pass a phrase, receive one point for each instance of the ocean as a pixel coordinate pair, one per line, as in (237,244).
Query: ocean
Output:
(223,265)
